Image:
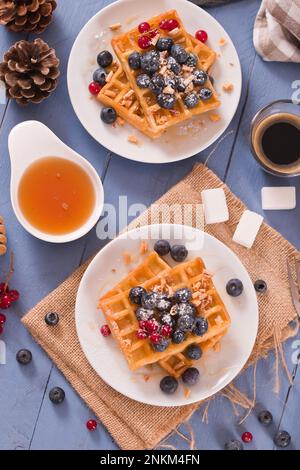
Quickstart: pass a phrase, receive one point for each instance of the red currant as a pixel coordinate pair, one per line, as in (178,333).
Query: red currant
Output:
(201,35)
(2,318)
(153,33)
(142,324)
(166,331)
(163,25)
(95,88)
(247,437)
(151,326)
(14,295)
(141,334)
(155,338)
(5,302)
(91,425)
(144,42)
(171,24)
(1,329)
(144,27)
(105,331)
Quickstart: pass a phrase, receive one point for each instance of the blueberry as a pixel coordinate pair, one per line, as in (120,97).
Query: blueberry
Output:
(192,60)
(234,445)
(234,287)
(150,62)
(282,439)
(100,76)
(161,346)
(185,309)
(162,247)
(179,54)
(134,61)
(104,59)
(108,115)
(179,253)
(260,286)
(191,100)
(190,376)
(205,94)
(200,77)
(185,323)
(57,395)
(200,326)
(135,295)
(143,314)
(149,300)
(166,100)
(24,357)
(265,417)
(193,352)
(157,84)
(168,385)
(173,65)
(163,303)
(143,80)
(181,86)
(164,44)
(167,319)
(211,79)
(52,318)
(178,336)
(183,295)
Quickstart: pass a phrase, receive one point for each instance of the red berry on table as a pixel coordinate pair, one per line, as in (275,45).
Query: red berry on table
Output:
(144,42)
(141,334)
(155,338)
(201,35)
(91,425)
(144,27)
(153,33)
(13,295)
(105,331)
(2,318)
(142,324)
(247,437)
(1,329)
(166,331)
(5,302)
(151,326)
(171,24)
(95,88)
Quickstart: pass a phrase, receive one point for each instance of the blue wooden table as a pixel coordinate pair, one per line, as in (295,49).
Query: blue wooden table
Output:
(28,419)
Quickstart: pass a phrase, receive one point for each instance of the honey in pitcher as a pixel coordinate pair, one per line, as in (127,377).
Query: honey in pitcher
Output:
(56,195)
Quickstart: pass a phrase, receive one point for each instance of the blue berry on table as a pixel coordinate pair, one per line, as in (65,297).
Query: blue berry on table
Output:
(144,314)
(179,54)
(100,76)
(135,295)
(108,115)
(143,80)
(181,85)
(193,352)
(178,336)
(157,84)
(162,247)
(260,286)
(173,65)
(51,319)
(164,44)
(282,439)
(134,61)
(150,62)
(192,60)
(234,444)
(57,395)
(205,94)
(200,77)
(190,376)
(185,308)
(234,287)
(191,100)
(149,300)
(185,323)
(104,59)
(265,417)
(200,326)
(163,303)
(168,385)
(166,100)
(24,357)
(162,345)
(179,253)
(167,319)
(183,295)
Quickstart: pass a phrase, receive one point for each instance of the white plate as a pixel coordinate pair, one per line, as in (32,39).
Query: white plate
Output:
(178,143)
(216,369)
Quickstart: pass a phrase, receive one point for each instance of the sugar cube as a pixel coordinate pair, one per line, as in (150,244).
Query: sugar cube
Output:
(2,353)
(247,228)
(215,206)
(278,198)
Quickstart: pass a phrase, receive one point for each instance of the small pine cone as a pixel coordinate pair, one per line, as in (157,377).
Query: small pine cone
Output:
(30,71)
(3,239)
(26,15)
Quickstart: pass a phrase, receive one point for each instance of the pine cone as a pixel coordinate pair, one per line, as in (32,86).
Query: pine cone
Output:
(30,71)
(26,15)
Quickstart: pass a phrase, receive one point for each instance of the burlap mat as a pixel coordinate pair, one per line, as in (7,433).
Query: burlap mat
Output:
(134,425)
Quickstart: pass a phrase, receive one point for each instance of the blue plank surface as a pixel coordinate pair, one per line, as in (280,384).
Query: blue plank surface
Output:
(28,419)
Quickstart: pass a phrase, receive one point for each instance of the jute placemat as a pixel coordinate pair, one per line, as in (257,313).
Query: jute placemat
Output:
(134,425)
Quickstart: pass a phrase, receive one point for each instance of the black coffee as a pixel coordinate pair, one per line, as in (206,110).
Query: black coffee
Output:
(281,143)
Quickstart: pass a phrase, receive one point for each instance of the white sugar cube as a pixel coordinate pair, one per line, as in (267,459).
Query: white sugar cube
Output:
(215,206)
(2,353)
(278,198)
(247,229)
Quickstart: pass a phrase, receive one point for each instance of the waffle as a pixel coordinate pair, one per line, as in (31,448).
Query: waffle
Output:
(152,274)
(160,119)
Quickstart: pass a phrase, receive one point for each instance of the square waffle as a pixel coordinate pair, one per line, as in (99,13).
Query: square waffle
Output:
(152,274)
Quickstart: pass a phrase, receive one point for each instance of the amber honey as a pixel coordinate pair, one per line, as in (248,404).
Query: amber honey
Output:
(56,195)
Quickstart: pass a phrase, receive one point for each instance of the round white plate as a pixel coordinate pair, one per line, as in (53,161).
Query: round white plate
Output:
(217,369)
(182,141)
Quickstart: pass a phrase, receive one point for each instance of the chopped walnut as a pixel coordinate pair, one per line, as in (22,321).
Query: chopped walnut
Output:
(147,378)
(115,27)
(155,40)
(127,258)
(168,89)
(222,42)
(133,139)
(174,32)
(228,87)
(120,121)
(214,117)
(186,392)
(113,270)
